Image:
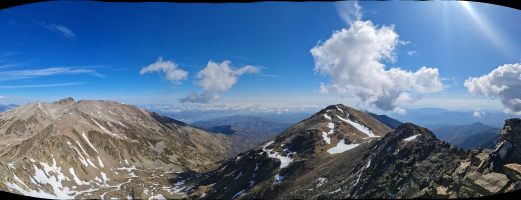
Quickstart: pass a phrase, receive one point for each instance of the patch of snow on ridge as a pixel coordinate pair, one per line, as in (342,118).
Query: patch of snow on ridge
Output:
(284,161)
(106,130)
(321,181)
(43,177)
(88,141)
(100,162)
(331,127)
(358,126)
(326,138)
(327,117)
(341,147)
(278,178)
(238,194)
(75,178)
(339,109)
(157,196)
(411,138)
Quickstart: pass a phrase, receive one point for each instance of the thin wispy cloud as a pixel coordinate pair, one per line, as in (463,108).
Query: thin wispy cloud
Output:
(58,28)
(41,85)
(35,73)
(269,75)
(410,53)
(349,11)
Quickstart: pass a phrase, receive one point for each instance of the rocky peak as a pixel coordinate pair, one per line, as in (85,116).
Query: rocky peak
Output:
(508,148)
(409,130)
(65,100)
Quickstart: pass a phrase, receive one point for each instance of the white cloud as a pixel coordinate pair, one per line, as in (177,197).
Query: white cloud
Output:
(172,72)
(65,31)
(33,73)
(349,11)
(352,59)
(478,113)
(503,83)
(410,53)
(217,78)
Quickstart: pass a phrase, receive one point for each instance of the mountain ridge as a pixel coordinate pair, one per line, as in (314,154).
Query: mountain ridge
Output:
(87,148)
(407,162)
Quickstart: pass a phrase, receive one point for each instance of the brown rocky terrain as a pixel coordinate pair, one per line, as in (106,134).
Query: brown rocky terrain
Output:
(100,149)
(407,162)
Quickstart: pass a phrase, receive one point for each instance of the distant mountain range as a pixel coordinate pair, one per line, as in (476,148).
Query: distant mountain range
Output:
(245,131)
(435,116)
(390,122)
(475,135)
(7,107)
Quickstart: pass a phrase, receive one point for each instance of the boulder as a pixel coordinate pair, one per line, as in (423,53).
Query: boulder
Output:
(441,191)
(487,184)
(511,132)
(513,171)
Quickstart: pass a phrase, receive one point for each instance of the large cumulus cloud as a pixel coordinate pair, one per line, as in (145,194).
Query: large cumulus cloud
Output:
(170,69)
(352,58)
(215,79)
(503,83)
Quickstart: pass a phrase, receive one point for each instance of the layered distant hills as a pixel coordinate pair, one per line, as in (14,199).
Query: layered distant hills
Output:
(245,131)
(468,136)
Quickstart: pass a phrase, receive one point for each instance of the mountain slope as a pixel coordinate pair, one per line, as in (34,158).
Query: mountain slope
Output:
(315,142)
(390,122)
(405,163)
(96,149)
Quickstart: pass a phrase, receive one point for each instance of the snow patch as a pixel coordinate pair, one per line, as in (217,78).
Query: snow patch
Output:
(75,178)
(358,126)
(411,138)
(11,165)
(278,178)
(43,177)
(284,161)
(88,141)
(321,181)
(100,162)
(327,117)
(337,190)
(238,194)
(341,147)
(157,196)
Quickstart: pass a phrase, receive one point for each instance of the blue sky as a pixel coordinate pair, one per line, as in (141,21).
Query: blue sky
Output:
(96,50)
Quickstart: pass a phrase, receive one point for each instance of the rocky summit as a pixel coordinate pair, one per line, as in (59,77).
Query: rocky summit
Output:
(100,149)
(340,152)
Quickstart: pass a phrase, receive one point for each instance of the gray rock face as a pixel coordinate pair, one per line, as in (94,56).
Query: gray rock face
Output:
(511,133)
(486,184)
(513,171)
